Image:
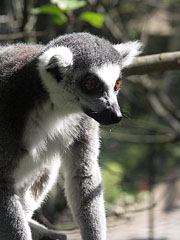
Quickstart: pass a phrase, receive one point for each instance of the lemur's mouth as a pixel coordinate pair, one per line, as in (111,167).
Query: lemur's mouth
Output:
(105,117)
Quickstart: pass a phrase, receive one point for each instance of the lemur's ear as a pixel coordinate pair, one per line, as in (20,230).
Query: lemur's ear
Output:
(55,60)
(128,51)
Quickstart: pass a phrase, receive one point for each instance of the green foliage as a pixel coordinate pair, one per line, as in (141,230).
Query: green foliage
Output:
(66,227)
(57,15)
(112,174)
(47,9)
(59,10)
(130,158)
(177,151)
(59,20)
(95,19)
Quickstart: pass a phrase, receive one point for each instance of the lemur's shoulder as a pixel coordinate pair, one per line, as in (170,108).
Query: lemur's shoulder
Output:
(13,57)
(20,51)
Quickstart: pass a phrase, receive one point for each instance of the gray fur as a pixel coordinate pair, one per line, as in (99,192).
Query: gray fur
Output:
(47,120)
(89,50)
(12,218)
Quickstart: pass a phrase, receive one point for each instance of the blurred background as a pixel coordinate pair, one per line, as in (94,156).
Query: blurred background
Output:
(140,157)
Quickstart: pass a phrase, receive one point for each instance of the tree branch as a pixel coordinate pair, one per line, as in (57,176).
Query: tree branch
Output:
(19,35)
(154,63)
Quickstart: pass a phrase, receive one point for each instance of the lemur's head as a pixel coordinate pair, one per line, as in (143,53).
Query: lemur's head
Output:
(83,71)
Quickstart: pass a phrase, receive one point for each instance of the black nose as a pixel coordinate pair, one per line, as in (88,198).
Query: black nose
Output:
(110,116)
(116,117)
(106,117)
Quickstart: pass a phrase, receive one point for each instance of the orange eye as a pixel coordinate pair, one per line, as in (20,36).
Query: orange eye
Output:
(118,84)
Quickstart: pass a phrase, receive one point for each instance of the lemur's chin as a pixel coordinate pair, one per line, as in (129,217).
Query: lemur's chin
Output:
(105,117)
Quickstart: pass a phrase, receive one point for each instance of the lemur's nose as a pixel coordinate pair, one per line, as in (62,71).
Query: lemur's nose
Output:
(112,116)
(116,117)
(108,116)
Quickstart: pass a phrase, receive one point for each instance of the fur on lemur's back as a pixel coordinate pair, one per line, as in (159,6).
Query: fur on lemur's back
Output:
(14,57)
(20,91)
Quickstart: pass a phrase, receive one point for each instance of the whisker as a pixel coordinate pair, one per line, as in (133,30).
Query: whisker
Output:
(126,114)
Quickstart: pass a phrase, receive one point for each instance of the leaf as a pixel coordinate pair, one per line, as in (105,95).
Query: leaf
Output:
(67,5)
(95,19)
(59,20)
(47,9)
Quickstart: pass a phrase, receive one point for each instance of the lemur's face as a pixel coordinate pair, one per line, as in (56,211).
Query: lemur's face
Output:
(86,75)
(97,90)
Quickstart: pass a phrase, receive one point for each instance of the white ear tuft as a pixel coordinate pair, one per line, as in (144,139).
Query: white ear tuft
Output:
(63,55)
(128,51)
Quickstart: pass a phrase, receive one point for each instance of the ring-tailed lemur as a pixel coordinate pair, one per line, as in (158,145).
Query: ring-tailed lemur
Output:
(51,100)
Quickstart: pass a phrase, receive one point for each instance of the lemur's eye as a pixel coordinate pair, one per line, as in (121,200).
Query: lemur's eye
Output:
(91,84)
(117,85)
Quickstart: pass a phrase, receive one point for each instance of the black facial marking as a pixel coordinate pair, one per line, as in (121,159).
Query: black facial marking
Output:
(45,238)
(53,68)
(90,84)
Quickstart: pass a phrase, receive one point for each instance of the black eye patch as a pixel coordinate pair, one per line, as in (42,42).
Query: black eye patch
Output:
(91,84)
(53,68)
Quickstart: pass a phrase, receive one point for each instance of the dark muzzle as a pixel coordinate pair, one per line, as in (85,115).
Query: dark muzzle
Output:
(105,117)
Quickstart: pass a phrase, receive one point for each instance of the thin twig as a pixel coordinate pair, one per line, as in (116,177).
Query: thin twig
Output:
(163,112)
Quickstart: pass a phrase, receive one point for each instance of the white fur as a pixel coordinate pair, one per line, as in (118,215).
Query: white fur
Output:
(108,73)
(47,133)
(128,51)
(28,201)
(62,99)
(63,55)
(49,130)
(47,136)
